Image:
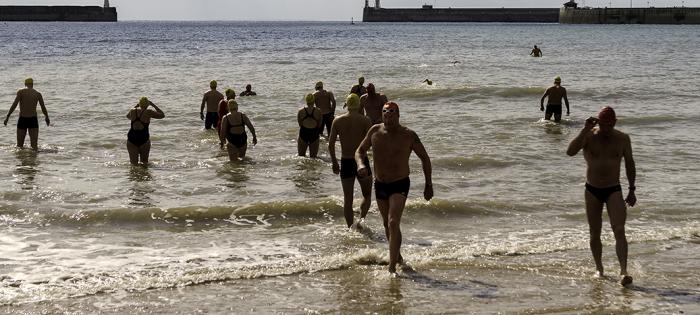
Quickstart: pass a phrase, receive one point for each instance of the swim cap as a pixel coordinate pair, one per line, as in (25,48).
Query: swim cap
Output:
(557,79)
(352,102)
(310,99)
(391,105)
(213,84)
(143,101)
(607,115)
(230,93)
(232,106)
(28,81)
(319,85)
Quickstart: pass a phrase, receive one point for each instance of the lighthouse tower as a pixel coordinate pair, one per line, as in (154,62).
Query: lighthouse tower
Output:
(106,4)
(376,4)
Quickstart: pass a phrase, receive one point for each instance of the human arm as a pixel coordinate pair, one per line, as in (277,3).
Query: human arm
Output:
(43,110)
(247,122)
(580,141)
(157,114)
(422,154)
(631,170)
(331,147)
(546,93)
(201,108)
(566,101)
(223,130)
(332,98)
(12,108)
(361,152)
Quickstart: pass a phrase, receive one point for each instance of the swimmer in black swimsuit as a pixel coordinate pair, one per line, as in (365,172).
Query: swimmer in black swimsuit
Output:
(233,130)
(604,148)
(309,119)
(392,145)
(138,139)
(27,99)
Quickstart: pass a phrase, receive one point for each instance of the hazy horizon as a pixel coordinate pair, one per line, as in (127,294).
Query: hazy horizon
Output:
(305,10)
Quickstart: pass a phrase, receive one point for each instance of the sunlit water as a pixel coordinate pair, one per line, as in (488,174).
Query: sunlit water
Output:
(83,231)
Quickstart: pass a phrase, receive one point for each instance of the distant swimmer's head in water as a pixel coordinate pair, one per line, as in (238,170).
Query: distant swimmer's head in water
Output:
(557,80)
(353,103)
(213,84)
(28,82)
(361,80)
(428,81)
(371,90)
(232,106)
(230,94)
(319,86)
(607,118)
(310,99)
(390,114)
(143,102)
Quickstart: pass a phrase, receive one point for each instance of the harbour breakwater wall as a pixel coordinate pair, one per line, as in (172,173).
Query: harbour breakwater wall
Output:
(429,14)
(58,13)
(679,15)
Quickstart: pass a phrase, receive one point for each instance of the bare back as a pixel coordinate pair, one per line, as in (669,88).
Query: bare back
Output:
(555,93)
(212,98)
(391,151)
(603,154)
(309,117)
(28,100)
(322,100)
(144,116)
(352,129)
(372,106)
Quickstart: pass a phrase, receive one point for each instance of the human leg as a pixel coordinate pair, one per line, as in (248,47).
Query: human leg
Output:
(301,147)
(348,187)
(594,211)
(133,153)
(145,151)
(34,138)
(366,187)
(617,212)
(21,134)
(396,205)
(313,148)
(232,152)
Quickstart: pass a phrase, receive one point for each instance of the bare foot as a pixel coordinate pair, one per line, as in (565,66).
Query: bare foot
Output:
(625,280)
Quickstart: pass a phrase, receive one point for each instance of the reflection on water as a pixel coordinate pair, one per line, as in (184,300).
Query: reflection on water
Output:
(26,170)
(307,175)
(235,173)
(141,187)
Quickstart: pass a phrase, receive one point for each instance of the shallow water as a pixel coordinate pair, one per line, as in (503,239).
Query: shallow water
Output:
(84,232)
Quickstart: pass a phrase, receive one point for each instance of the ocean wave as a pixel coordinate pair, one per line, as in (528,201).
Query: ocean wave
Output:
(653,120)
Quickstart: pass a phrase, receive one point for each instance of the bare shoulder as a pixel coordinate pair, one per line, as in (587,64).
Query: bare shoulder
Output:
(412,135)
(622,136)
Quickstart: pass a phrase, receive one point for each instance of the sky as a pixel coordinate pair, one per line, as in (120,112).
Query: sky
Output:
(306,10)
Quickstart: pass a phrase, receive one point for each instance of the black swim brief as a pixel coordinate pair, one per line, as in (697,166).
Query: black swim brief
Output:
(348,168)
(27,122)
(603,194)
(211,120)
(385,190)
(309,135)
(553,109)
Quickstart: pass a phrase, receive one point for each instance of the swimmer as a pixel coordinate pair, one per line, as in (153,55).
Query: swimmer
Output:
(351,127)
(604,148)
(211,100)
(309,119)
(428,82)
(139,139)
(223,109)
(325,101)
(536,52)
(371,104)
(248,91)
(554,94)
(233,130)
(392,145)
(27,99)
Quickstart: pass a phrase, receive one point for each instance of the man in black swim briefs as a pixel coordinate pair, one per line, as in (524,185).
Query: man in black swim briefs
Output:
(603,149)
(554,95)
(27,99)
(351,127)
(211,100)
(392,145)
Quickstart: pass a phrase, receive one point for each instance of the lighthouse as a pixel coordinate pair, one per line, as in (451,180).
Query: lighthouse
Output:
(106,4)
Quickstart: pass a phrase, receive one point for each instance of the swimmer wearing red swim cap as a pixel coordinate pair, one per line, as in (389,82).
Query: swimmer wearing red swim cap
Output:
(392,145)
(603,149)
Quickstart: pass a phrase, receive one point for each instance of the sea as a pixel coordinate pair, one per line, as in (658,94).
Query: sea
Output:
(84,232)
